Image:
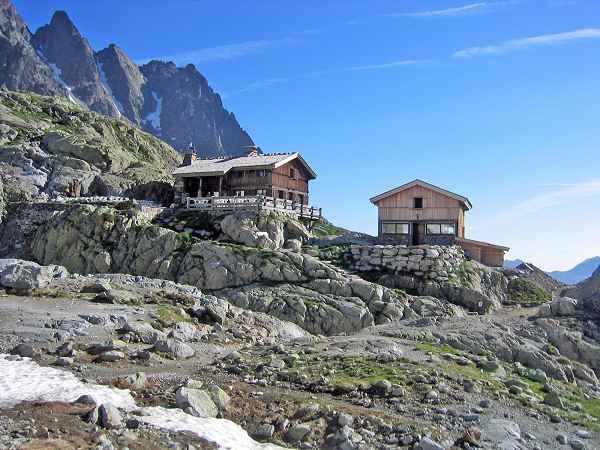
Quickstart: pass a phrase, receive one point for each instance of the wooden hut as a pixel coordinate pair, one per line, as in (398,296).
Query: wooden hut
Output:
(418,213)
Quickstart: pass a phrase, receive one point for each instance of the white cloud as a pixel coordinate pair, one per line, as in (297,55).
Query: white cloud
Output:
(521,44)
(472,8)
(260,84)
(566,194)
(224,52)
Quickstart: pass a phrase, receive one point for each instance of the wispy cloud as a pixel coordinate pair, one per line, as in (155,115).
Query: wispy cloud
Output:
(565,193)
(267,82)
(225,52)
(472,8)
(521,44)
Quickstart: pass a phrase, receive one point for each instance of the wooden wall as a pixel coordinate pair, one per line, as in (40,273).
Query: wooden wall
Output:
(281,177)
(436,207)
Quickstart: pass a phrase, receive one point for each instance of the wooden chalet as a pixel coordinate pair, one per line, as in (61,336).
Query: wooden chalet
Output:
(279,180)
(419,213)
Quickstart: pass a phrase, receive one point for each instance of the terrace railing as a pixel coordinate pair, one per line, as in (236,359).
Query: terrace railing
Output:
(252,202)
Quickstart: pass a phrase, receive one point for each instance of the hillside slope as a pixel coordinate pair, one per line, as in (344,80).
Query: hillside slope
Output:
(50,146)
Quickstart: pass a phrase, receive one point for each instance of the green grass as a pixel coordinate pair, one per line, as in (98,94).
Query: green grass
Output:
(326,229)
(169,315)
(436,349)
(464,276)
(524,292)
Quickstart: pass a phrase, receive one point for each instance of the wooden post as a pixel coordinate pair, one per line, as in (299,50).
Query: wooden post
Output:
(220,185)
(199,188)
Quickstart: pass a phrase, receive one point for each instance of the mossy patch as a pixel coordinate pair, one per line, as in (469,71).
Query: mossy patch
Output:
(169,315)
(323,229)
(524,292)
(464,276)
(436,349)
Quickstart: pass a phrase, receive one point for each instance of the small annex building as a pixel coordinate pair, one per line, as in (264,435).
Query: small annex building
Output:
(420,213)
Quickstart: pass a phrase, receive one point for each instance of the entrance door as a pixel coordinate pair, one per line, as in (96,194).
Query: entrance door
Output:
(418,231)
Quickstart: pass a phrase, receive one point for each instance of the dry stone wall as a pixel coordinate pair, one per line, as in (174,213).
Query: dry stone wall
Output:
(428,262)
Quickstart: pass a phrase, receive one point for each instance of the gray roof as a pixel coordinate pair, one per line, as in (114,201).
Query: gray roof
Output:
(220,166)
(464,200)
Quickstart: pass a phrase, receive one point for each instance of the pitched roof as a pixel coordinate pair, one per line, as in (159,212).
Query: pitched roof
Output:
(464,200)
(220,166)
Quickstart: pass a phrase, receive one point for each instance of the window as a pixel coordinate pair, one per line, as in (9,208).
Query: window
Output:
(281,195)
(261,192)
(447,228)
(433,228)
(292,173)
(301,198)
(290,196)
(260,173)
(441,228)
(418,202)
(394,228)
(240,174)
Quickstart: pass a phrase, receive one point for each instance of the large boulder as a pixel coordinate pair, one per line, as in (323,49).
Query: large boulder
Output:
(25,275)
(197,402)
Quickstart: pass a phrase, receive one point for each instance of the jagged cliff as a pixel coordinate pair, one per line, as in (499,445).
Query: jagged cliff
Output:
(175,104)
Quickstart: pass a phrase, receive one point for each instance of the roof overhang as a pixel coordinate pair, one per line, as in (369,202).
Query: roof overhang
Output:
(299,157)
(188,171)
(464,200)
(483,244)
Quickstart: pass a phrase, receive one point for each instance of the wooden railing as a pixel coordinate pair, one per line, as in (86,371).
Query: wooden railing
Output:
(252,202)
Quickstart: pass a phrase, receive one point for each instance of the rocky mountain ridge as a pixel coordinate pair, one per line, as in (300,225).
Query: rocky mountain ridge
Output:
(175,104)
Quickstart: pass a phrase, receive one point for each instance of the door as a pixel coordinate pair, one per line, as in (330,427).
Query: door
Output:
(418,233)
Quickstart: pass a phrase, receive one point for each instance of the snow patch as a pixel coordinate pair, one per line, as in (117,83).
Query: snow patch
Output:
(154,117)
(23,380)
(57,73)
(224,433)
(116,103)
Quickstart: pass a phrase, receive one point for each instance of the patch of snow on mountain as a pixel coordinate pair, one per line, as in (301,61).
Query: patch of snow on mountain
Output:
(24,380)
(224,433)
(116,103)
(154,117)
(57,72)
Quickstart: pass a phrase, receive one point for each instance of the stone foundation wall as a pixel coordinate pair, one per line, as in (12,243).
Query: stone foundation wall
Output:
(432,262)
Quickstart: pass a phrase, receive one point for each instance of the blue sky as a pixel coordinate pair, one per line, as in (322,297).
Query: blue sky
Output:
(495,100)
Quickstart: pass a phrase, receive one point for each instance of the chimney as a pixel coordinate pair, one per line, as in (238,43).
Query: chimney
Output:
(252,150)
(190,156)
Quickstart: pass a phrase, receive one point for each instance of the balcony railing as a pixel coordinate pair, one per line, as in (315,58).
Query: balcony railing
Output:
(252,202)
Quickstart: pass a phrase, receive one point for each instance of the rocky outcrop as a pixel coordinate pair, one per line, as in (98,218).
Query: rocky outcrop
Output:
(51,147)
(435,271)
(175,104)
(71,57)
(89,239)
(22,67)
(26,275)
(266,229)
(588,291)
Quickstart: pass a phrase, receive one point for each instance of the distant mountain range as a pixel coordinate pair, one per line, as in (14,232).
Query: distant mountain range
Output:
(575,275)
(175,104)
(512,263)
(578,273)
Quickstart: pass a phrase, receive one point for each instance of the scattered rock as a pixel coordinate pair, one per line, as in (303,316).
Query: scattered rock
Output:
(196,401)
(109,416)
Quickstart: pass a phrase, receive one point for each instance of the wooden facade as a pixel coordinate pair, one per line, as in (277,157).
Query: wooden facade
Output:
(419,213)
(280,176)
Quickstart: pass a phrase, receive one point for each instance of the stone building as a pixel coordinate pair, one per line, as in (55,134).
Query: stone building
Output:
(418,213)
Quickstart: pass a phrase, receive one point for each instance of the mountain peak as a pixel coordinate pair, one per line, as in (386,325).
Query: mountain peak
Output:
(60,19)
